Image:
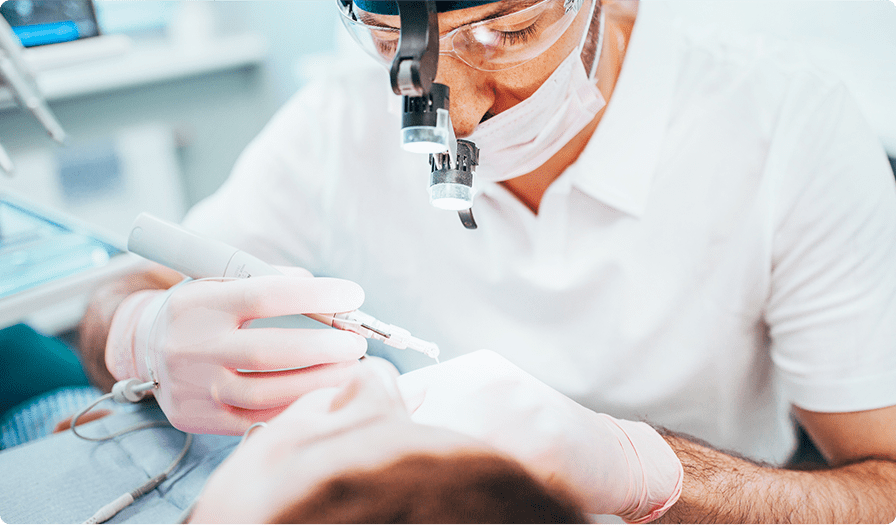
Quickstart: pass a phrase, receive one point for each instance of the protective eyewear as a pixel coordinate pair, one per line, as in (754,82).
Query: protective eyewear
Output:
(492,44)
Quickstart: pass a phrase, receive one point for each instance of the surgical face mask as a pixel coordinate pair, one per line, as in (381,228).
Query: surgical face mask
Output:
(519,140)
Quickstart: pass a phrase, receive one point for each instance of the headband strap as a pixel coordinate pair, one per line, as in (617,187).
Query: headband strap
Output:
(384,7)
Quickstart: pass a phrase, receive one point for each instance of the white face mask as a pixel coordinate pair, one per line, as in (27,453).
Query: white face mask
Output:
(521,139)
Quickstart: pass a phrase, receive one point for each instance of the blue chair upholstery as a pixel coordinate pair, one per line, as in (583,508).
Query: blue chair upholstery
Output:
(32,364)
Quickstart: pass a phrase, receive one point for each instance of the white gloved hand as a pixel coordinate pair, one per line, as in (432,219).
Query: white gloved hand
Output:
(614,466)
(191,340)
(313,440)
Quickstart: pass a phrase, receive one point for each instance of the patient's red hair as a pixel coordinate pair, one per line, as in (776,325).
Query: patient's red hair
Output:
(460,488)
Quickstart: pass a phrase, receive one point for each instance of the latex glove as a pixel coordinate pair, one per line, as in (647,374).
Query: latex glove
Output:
(325,433)
(614,466)
(191,340)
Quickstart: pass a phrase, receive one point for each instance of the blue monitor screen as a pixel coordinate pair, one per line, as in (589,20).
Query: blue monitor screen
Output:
(39,22)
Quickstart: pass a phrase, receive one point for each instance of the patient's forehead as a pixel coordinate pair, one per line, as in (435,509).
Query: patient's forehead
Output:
(369,446)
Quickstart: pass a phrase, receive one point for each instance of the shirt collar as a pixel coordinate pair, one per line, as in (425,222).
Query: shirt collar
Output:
(618,164)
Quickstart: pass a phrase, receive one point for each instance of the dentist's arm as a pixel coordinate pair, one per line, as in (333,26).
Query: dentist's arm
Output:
(94,327)
(858,488)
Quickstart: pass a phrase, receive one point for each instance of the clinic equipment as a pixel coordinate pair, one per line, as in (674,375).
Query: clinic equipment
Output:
(16,74)
(425,122)
(201,257)
(49,262)
(38,247)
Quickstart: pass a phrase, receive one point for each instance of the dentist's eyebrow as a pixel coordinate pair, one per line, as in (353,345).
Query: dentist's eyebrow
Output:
(372,20)
(510,7)
(502,9)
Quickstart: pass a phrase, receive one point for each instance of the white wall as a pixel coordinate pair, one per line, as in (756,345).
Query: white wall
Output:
(295,29)
(855,39)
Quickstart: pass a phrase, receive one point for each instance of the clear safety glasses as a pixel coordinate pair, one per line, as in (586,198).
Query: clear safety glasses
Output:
(492,44)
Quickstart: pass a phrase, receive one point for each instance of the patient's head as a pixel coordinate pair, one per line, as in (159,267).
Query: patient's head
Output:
(459,488)
(352,454)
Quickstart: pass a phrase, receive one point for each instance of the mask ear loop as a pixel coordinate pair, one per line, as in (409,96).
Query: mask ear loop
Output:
(600,38)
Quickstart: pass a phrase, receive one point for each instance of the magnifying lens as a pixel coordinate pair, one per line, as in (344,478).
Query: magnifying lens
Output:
(425,122)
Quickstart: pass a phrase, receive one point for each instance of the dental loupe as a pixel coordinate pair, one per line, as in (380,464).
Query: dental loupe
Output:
(425,122)
(451,181)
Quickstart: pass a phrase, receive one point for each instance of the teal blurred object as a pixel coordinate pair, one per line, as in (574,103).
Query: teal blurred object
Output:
(37,417)
(32,363)
(36,249)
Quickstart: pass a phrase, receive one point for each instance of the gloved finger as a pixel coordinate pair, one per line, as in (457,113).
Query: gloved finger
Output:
(372,381)
(265,390)
(223,420)
(294,271)
(274,295)
(412,386)
(368,395)
(413,400)
(276,348)
(386,375)
(249,417)
(384,366)
(239,419)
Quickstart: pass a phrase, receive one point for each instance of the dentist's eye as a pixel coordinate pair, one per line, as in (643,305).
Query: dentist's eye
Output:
(521,36)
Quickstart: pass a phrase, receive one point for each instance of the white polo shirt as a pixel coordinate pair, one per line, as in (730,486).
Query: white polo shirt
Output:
(724,246)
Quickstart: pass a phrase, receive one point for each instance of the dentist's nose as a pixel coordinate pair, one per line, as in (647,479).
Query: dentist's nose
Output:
(471,93)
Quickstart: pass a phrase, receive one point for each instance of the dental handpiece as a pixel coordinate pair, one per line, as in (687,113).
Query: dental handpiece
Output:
(200,257)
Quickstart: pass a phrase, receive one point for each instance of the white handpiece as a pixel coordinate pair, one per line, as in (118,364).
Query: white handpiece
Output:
(197,256)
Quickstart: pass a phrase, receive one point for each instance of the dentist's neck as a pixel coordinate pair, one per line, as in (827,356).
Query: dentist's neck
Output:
(620,20)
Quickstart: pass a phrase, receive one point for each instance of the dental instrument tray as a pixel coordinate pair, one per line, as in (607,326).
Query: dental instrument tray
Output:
(46,257)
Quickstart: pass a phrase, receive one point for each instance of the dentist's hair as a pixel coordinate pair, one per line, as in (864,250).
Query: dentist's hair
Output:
(459,488)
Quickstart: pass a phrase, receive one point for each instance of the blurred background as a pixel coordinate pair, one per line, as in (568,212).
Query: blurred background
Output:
(158,107)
